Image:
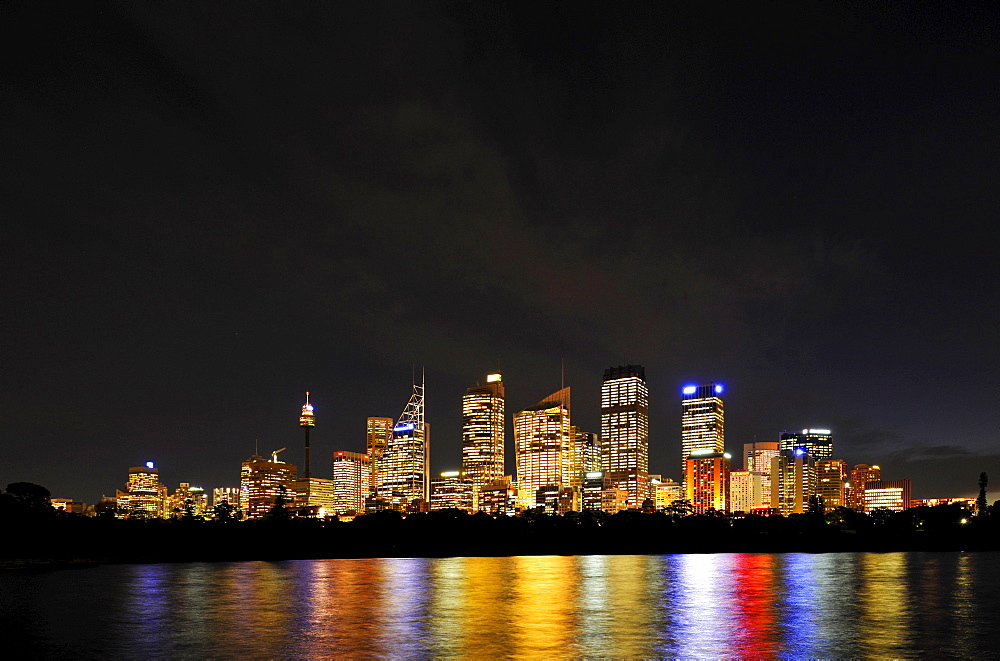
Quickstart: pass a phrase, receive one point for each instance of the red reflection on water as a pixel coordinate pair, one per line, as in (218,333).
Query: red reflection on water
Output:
(755,598)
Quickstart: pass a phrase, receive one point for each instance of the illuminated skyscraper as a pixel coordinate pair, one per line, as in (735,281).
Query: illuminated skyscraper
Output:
(746,492)
(589,449)
(351,480)
(817,442)
(543,446)
(307,420)
(403,473)
(831,480)
(185,500)
(793,481)
(861,475)
(143,496)
(757,459)
(483,432)
(451,490)
(702,421)
(706,481)
(625,431)
(263,481)
(379,433)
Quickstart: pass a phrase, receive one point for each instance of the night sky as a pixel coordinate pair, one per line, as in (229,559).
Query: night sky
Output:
(208,209)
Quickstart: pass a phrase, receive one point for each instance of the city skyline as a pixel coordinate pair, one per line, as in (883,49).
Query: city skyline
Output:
(209,212)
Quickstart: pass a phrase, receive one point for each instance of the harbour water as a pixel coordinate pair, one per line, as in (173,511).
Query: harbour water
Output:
(891,605)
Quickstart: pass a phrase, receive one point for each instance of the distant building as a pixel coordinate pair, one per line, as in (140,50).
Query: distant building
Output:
(184,497)
(757,458)
(887,494)
(706,481)
(589,451)
(230,495)
(625,431)
(614,500)
(591,490)
(69,506)
(831,483)
(263,482)
(483,433)
(452,490)
(351,478)
(314,497)
(143,496)
(861,475)
(543,446)
(746,491)
(793,481)
(817,442)
(702,421)
(404,470)
(378,435)
(665,492)
(498,497)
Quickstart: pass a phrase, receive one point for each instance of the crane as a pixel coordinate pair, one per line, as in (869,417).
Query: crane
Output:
(274,455)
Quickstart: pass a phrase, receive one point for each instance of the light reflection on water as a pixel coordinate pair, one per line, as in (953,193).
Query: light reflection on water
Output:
(692,606)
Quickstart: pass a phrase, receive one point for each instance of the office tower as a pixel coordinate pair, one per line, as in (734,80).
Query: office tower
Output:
(483,432)
(498,497)
(187,500)
(894,495)
(757,459)
(702,421)
(625,431)
(593,485)
(403,473)
(307,420)
(831,482)
(231,495)
(314,497)
(588,448)
(793,481)
(665,492)
(378,435)
(543,446)
(861,475)
(706,481)
(263,483)
(817,442)
(143,496)
(351,481)
(451,490)
(746,491)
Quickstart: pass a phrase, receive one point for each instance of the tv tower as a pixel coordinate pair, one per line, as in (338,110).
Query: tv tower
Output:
(307,421)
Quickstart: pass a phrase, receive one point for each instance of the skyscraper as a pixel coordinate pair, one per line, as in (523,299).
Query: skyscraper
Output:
(351,480)
(625,431)
(483,432)
(793,481)
(702,421)
(403,472)
(757,458)
(542,443)
(262,482)
(861,475)
(818,442)
(378,435)
(451,491)
(831,479)
(706,481)
(143,496)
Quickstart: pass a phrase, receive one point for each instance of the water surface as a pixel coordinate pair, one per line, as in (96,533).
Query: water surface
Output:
(898,605)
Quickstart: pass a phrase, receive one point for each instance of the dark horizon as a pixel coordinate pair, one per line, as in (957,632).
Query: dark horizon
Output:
(208,212)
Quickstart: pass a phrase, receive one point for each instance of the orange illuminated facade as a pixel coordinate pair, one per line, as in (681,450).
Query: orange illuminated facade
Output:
(543,445)
(483,432)
(351,478)
(706,481)
(702,421)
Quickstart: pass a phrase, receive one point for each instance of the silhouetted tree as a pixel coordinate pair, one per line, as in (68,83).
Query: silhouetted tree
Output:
(224,511)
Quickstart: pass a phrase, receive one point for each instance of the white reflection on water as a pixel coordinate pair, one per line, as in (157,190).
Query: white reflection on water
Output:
(722,605)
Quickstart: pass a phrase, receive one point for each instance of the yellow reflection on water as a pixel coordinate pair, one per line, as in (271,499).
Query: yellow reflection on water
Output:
(883,605)
(544,617)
